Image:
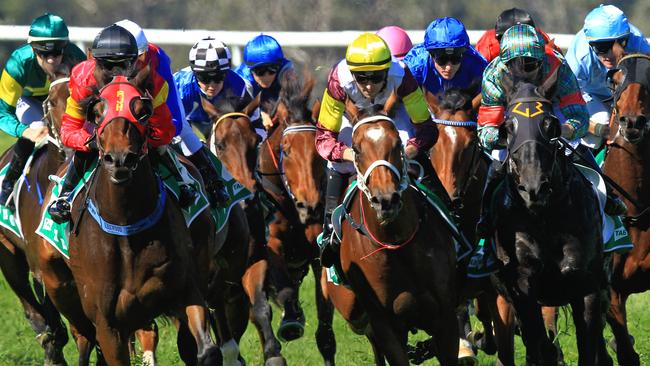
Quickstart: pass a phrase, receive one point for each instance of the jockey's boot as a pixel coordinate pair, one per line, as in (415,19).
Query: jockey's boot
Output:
(214,185)
(160,156)
(614,205)
(484,226)
(22,149)
(59,210)
(329,246)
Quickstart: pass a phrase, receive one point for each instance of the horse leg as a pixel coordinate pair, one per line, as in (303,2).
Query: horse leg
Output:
(380,360)
(484,303)
(466,354)
(444,328)
(529,313)
(389,342)
(549,313)
(228,343)
(587,317)
(617,319)
(43,318)
(254,282)
(324,333)
(148,338)
(503,316)
(197,322)
(114,344)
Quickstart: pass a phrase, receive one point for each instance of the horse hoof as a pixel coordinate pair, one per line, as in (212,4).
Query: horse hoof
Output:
(466,356)
(211,356)
(276,361)
(290,330)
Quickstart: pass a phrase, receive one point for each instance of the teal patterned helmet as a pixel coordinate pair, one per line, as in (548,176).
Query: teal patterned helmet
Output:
(48,32)
(521,40)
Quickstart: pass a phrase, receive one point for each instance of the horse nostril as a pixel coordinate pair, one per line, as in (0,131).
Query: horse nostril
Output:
(374,200)
(300,204)
(108,159)
(394,199)
(131,160)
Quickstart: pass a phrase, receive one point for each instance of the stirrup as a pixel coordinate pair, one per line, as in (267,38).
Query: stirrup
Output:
(186,196)
(59,210)
(5,194)
(614,206)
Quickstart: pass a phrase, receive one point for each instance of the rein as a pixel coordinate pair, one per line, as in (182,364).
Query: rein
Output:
(446,122)
(56,138)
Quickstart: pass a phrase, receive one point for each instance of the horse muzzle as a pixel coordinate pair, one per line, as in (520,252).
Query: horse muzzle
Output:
(120,165)
(386,206)
(536,198)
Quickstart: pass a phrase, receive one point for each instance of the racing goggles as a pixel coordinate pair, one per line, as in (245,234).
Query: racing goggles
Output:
(208,77)
(603,47)
(369,77)
(444,56)
(265,69)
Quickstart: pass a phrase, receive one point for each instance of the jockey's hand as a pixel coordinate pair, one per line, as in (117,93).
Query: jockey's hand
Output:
(348,154)
(568,131)
(266,120)
(599,129)
(92,143)
(411,151)
(36,132)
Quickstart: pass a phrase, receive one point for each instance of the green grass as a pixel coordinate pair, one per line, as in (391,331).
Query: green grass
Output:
(18,345)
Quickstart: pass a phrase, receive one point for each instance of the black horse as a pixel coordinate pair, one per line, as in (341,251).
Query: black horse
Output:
(548,230)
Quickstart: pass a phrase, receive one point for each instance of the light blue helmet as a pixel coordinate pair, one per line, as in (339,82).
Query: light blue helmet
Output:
(605,23)
(446,32)
(262,50)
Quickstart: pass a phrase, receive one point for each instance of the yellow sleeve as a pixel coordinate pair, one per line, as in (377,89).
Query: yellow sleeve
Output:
(331,113)
(161,97)
(416,106)
(74,110)
(10,89)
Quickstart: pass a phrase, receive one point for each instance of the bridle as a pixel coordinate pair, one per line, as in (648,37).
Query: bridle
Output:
(55,138)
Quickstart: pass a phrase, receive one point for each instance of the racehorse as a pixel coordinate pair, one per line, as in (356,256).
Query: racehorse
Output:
(16,254)
(396,253)
(133,261)
(292,172)
(548,230)
(629,147)
(234,141)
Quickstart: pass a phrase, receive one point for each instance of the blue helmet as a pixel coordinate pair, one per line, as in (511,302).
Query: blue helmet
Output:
(446,33)
(606,22)
(262,50)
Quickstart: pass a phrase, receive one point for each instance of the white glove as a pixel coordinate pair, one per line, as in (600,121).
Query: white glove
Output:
(36,132)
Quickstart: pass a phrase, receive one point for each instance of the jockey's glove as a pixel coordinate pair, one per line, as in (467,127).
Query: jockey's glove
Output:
(488,136)
(568,131)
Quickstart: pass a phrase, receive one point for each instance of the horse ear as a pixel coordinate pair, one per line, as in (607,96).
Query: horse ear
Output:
(142,77)
(252,106)
(390,103)
(315,110)
(433,102)
(476,102)
(618,51)
(89,53)
(281,112)
(615,76)
(551,126)
(209,108)
(308,85)
(352,110)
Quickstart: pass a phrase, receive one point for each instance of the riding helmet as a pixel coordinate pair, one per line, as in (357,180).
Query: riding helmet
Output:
(263,50)
(521,40)
(137,33)
(446,32)
(209,55)
(368,53)
(511,17)
(48,32)
(114,42)
(397,39)
(605,23)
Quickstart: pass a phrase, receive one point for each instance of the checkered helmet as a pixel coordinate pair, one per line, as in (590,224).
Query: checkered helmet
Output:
(209,54)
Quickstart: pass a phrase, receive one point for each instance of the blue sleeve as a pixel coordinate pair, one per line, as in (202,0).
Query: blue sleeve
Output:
(638,42)
(416,64)
(173,100)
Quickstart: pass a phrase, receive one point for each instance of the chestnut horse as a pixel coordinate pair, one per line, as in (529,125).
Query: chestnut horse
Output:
(234,141)
(118,281)
(17,256)
(548,230)
(396,252)
(292,172)
(630,148)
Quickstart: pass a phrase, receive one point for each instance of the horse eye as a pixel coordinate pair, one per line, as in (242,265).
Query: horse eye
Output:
(220,146)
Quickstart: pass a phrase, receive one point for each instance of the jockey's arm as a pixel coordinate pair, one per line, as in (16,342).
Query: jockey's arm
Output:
(328,126)
(571,103)
(491,113)
(161,127)
(173,99)
(73,134)
(10,92)
(426,132)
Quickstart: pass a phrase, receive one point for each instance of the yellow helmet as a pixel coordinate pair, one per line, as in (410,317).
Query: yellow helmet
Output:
(368,53)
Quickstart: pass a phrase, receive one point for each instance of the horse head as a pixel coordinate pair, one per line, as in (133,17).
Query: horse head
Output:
(532,131)
(302,168)
(121,113)
(233,138)
(631,82)
(55,103)
(380,162)
(456,154)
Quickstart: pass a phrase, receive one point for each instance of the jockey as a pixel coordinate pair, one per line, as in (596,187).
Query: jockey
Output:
(190,144)
(488,44)
(445,59)
(397,39)
(367,76)
(590,56)
(523,53)
(115,52)
(209,76)
(25,83)
(263,67)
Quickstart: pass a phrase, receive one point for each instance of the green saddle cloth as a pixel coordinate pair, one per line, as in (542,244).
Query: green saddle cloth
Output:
(57,234)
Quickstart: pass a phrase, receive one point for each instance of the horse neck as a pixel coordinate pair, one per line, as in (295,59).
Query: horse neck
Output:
(123,204)
(452,156)
(635,177)
(396,231)
(269,156)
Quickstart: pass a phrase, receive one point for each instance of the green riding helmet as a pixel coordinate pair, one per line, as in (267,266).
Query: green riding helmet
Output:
(48,32)
(521,40)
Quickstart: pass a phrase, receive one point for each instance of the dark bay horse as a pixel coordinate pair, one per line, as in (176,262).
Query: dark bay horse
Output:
(292,172)
(628,164)
(548,231)
(17,255)
(234,141)
(402,270)
(115,283)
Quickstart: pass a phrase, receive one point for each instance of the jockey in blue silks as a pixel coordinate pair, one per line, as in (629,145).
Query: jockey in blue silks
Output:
(590,56)
(446,59)
(263,67)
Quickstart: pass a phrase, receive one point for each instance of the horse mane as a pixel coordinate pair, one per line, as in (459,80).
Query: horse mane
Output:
(295,94)
(230,103)
(457,99)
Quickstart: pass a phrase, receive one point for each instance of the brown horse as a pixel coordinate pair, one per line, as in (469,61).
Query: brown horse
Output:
(629,147)
(234,141)
(396,252)
(156,272)
(292,172)
(16,254)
